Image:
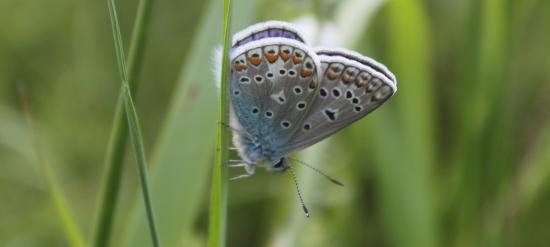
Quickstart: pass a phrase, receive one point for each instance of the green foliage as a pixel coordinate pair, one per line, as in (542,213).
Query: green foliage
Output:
(458,157)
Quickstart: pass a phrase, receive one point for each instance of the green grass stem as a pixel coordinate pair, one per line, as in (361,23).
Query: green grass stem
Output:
(72,232)
(119,134)
(133,124)
(218,196)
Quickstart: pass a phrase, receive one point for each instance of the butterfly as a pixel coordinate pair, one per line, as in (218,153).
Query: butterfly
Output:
(287,96)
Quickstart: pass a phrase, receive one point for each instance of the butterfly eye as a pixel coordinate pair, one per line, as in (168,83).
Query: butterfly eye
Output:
(279,164)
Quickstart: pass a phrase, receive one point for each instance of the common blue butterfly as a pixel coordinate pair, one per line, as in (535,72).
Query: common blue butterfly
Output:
(286,96)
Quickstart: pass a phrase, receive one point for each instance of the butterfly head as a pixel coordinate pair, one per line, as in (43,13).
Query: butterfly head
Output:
(280,165)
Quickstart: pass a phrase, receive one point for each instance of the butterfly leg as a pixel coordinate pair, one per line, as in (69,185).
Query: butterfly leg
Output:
(235,163)
(249,168)
(242,132)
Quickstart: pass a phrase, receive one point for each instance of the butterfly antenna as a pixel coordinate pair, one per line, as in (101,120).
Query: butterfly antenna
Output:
(318,171)
(298,192)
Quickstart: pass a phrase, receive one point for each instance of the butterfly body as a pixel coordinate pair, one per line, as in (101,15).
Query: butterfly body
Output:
(286,96)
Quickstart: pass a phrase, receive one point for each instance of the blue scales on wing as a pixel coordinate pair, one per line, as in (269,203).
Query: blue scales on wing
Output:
(273,80)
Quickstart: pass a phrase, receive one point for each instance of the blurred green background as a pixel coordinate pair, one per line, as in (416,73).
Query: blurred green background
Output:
(460,156)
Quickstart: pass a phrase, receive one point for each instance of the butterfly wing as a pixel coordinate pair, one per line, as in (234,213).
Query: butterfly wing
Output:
(351,86)
(273,79)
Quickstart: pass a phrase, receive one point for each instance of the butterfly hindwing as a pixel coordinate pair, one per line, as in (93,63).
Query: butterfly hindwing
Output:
(273,81)
(351,86)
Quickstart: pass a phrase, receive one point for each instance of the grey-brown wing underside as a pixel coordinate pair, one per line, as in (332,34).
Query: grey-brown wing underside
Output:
(351,86)
(272,83)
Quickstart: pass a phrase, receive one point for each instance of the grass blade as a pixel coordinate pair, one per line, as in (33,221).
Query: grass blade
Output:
(407,178)
(70,227)
(182,157)
(119,134)
(133,124)
(218,196)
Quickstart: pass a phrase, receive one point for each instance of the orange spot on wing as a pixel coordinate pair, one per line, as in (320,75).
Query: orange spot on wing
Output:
(305,72)
(255,61)
(347,79)
(331,75)
(284,56)
(239,67)
(312,84)
(271,57)
(296,60)
(359,82)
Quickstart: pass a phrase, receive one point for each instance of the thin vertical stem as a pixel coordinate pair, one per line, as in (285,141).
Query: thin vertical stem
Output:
(72,232)
(133,124)
(119,135)
(218,196)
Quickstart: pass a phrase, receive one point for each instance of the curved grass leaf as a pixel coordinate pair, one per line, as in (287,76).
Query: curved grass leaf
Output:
(119,135)
(182,156)
(72,232)
(133,124)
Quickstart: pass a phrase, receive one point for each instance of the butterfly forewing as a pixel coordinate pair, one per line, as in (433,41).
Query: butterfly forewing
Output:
(273,81)
(351,86)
